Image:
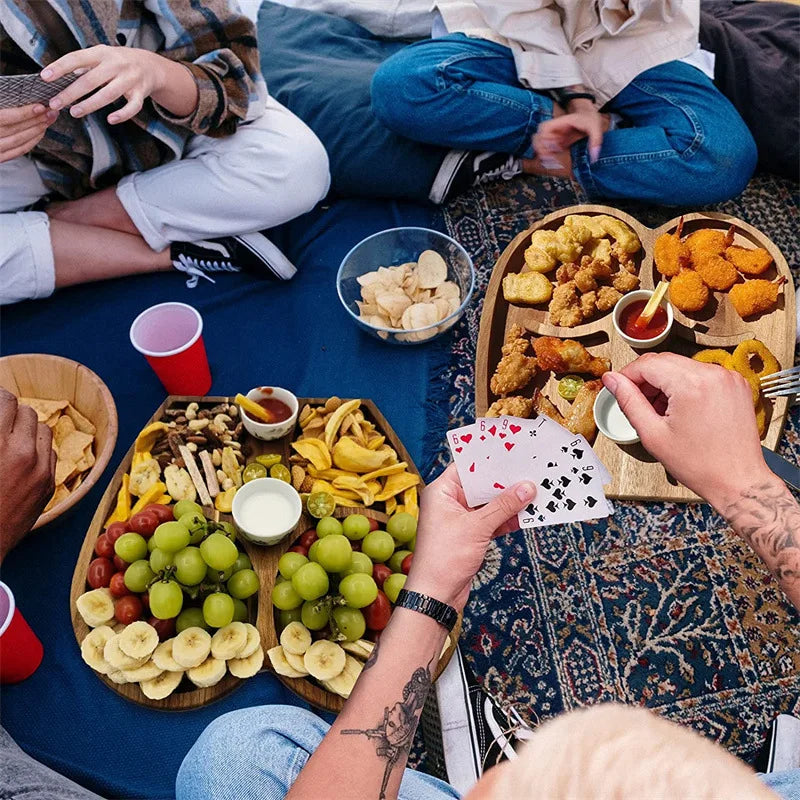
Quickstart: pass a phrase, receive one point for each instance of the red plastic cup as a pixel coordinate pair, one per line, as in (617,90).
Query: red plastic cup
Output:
(20,650)
(170,337)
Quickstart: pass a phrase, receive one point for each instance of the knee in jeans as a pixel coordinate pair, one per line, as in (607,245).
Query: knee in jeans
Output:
(724,164)
(399,87)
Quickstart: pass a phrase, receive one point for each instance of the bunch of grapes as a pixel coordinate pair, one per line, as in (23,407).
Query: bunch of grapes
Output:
(342,578)
(175,568)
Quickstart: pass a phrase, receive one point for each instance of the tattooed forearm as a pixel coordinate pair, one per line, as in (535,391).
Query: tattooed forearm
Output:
(394,734)
(768,518)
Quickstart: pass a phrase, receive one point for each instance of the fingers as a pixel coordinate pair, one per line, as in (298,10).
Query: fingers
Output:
(25,147)
(664,371)
(45,455)
(129,110)
(22,114)
(25,423)
(80,88)
(72,61)
(504,507)
(595,137)
(8,411)
(9,143)
(30,122)
(635,406)
(108,94)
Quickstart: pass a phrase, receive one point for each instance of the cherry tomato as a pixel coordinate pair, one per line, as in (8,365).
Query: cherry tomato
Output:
(405,567)
(165,628)
(299,549)
(377,613)
(117,585)
(144,523)
(99,572)
(104,546)
(380,572)
(164,513)
(374,525)
(145,598)
(115,530)
(308,538)
(119,564)
(128,609)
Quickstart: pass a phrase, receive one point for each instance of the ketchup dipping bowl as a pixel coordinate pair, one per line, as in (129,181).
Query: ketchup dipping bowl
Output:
(266,510)
(271,430)
(657,330)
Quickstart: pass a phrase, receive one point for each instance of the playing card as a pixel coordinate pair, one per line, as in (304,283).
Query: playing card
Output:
(473,455)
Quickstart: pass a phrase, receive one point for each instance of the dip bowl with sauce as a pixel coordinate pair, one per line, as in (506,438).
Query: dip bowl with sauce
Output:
(627,311)
(279,402)
(266,510)
(610,420)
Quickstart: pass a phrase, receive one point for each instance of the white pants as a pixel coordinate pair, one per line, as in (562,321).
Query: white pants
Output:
(270,171)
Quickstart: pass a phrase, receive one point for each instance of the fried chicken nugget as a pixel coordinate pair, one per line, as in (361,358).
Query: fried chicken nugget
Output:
(708,242)
(516,406)
(749,262)
(566,355)
(588,302)
(624,282)
(756,296)
(548,248)
(515,369)
(528,288)
(607,298)
(565,308)
(670,253)
(566,272)
(585,281)
(717,273)
(687,292)
(598,269)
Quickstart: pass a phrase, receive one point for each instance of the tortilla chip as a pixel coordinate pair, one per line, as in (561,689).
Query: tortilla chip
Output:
(65,469)
(74,444)
(44,408)
(51,422)
(75,483)
(61,493)
(81,423)
(63,428)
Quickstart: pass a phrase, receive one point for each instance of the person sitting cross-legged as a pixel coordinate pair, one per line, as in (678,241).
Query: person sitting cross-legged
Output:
(165,152)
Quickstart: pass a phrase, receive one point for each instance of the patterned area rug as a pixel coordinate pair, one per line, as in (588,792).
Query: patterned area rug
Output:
(660,606)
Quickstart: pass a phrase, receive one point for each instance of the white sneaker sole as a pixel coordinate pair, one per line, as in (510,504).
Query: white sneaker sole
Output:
(277,262)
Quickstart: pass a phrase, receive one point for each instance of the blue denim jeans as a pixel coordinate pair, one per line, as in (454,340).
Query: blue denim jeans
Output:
(257,753)
(681,142)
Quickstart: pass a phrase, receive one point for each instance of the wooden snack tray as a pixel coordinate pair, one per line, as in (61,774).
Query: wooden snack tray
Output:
(264,559)
(636,475)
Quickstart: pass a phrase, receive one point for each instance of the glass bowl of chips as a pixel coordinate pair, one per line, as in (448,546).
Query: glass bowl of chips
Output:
(79,410)
(406,285)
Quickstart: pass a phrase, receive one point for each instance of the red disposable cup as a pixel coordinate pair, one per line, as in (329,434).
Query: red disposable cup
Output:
(170,337)
(20,650)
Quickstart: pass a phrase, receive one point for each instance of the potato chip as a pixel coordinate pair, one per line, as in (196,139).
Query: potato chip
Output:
(61,430)
(369,291)
(44,408)
(368,278)
(81,423)
(448,289)
(431,269)
(367,309)
(419,315)
(393,302)
(390,276)
(442,307)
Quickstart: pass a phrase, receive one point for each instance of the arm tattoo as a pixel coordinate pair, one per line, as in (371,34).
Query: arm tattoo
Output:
(768,518)
(394,734)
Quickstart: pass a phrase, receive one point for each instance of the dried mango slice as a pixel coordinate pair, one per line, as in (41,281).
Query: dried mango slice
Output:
(384,471)
(395,484)
(148,437)
(336,420)
(351,456)
(315,451)
(150,496)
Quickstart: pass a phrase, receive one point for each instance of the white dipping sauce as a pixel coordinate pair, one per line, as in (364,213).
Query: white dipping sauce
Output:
(611,421)
(267,514)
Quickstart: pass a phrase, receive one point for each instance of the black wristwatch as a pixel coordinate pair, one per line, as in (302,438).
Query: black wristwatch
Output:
(564,96)
(435,609)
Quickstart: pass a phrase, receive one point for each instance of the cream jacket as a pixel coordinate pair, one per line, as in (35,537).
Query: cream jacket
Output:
(603,44)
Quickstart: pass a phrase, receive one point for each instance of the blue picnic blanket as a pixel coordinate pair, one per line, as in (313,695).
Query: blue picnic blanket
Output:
(293,334)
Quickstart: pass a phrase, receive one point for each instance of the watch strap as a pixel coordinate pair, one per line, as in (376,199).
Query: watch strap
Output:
(564,96)
(435,609)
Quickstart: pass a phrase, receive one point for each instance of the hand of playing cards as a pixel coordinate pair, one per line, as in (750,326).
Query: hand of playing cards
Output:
(493,454)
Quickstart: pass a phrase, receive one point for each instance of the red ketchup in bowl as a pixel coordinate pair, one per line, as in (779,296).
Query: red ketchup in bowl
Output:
(629,316)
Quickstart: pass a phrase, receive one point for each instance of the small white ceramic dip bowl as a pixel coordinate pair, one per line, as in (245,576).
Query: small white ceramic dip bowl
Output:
(266,510)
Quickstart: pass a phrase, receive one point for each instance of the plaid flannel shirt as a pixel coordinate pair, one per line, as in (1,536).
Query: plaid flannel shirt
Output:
(215,42)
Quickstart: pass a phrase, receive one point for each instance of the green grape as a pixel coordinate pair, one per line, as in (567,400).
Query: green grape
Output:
(314,615)
(190,569)
(138,575)
(358,590)
(285,616)
(166,599)
(243,583)
(396,561)
(402,526)
(131,547)
(242,562)
(218,551)
(160,560)
(378,545)
(186,507)
(151,544)
(171,536)
(334,552)
(228,529)
(190,618)
(359,562)
(240,613)
(280,579)
(218,575)
(310,581)
(285,598)
(290,562)
(412,545)
(327,526)
(356,527)
(312,551)
(196,524)
(350,622)
(393,584)
(218,609)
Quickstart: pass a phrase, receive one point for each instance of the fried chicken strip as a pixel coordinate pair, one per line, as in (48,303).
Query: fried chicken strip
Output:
(542,405)
(516,406)
(566,355)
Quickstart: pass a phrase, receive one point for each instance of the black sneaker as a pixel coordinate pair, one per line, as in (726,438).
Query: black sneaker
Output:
(463,169)
(248,252)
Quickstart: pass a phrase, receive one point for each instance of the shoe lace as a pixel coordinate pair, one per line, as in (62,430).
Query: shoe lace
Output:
(507,170)
(198,268)
(519,730)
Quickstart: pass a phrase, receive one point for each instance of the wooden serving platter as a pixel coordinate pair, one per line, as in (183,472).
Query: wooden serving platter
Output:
(636,475)
(264,559)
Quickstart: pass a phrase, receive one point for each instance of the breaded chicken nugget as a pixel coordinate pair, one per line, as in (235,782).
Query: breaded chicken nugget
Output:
(585,281)
(717,273)
(566,272)
(756,296)
(607,298)
(749,262)
(565,306)
(670,253)
(511,406)
(624,282)
(708,242)
(687,292)
(588,304)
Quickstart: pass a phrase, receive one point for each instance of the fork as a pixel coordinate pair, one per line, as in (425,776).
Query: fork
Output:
(785,382)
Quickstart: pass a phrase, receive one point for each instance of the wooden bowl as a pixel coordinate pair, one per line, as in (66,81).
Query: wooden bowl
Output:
(55,378)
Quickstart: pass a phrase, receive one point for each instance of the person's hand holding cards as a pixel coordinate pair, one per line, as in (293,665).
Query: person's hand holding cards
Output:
(22,128)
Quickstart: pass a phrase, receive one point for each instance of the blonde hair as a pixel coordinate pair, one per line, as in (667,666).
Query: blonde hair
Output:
(616,752)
